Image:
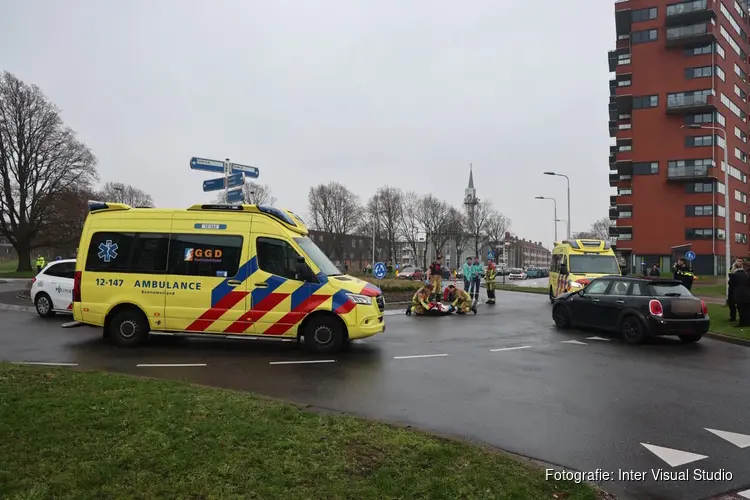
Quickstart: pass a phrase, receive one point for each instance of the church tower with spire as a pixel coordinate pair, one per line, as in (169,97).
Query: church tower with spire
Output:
(470,194)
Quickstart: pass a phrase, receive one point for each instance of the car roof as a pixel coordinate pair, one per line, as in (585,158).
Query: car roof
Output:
(63,261)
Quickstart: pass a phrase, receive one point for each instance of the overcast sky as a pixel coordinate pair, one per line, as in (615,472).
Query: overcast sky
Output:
(366,93)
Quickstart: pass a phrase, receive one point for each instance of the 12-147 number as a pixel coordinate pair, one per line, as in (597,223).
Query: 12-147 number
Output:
(103,282)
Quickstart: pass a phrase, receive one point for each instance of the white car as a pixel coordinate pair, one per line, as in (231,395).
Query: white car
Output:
(517,274)
(52,289)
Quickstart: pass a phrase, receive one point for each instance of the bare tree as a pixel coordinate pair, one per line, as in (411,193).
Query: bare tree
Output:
(411,225)
(436,214)
(585,235)
(387,207)
(125,193)
(253,193)
(40,158)
(335,209)
(599,231)
(67,218)
(476,217)
(496,227)
(457,228)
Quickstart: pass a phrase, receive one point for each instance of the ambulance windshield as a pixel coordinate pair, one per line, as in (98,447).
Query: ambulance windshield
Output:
(317,256)
(594,264)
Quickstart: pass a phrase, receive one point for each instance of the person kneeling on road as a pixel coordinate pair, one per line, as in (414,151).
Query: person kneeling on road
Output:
(461,300)
(420,303)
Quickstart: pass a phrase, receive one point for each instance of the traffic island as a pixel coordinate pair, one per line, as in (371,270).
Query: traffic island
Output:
(75,434)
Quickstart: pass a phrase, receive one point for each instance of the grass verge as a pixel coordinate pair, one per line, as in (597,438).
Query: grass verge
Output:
(85,435)
(709,290)
(527,289)
(720,323)
(8,270)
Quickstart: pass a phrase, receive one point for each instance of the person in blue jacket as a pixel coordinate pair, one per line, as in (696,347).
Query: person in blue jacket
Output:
(476,277)
(468,270)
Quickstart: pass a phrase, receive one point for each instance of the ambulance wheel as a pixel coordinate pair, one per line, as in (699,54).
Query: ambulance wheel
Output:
(323,335)
(128,328)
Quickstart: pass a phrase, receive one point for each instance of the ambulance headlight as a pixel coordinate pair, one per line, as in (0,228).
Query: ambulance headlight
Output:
(575,285)
(359,299)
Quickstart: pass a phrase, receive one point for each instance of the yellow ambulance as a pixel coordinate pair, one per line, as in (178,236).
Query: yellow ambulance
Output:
(576,262)
(229,271)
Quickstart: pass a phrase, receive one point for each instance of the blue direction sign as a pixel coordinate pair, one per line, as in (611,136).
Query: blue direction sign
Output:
(234,195)
(490,255)
(690,255)
(245,169)
(379,270)
(207,165)
(217,184)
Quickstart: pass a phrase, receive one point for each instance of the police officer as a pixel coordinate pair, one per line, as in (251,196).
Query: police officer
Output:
(741,293)
(684,273)
(40,262)
(730,296)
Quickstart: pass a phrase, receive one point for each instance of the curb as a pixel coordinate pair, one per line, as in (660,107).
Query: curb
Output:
(729,340)
(12,307)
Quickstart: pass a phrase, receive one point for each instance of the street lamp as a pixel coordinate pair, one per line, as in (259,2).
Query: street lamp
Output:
(568,181)
(727,247)
(555,204)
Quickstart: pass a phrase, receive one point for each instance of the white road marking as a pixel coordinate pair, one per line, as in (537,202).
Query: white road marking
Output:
(597,338)
(420,356)
(302,362)
(744,494)
(169,365)
(737,439)
(38,363)
(673,457)
(510,348)
(577,342)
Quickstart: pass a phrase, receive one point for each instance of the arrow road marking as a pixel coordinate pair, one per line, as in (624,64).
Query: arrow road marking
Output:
(420,356)
(674,458)
(737,439)
(510,348)
(597,338)
(577,342)
(744,494)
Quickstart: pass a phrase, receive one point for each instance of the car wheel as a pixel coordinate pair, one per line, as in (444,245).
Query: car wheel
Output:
(128,328)
(632,330)
(551,296)
(688,339)
(323,335)
(44,305)
(561,315)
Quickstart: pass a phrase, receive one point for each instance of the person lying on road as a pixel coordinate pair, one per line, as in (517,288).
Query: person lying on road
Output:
(420,303)
(461,301)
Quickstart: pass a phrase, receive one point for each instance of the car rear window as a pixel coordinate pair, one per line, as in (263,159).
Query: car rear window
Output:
(669,290)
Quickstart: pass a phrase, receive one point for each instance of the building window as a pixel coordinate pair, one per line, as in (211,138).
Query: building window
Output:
(721,211)
(740,73)
(740,238)
(624,145)
(699,187)
(644,36)
(698,72)
(740,134)
(735,172)
(720,51)
(740,217)
(640,15)
(699,51)
(703,234)
(625,214)
(731,20)
(740,155)
(732,42)
(646,168)
(625,236)
(697,141)
(740,196)
(703,118)
(721,119)
(624,191)
(681,99)
(740,93)
(720,73)
(699,210)
(739,9)
(625,82)
(623,59)
(645,101)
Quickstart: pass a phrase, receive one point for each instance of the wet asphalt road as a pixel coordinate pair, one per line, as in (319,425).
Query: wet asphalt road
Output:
(585,405)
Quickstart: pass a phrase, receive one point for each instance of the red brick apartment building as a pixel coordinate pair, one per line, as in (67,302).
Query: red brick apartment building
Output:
(679,67)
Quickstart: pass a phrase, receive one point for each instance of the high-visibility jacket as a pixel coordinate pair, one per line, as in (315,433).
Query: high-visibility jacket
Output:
(685,275)
(461,297)
(40,262)
(421,298)
(491,273)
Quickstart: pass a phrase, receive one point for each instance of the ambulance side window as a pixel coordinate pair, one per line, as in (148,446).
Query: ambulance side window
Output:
(143,253)
(556,258)
(277,257)
(212,255)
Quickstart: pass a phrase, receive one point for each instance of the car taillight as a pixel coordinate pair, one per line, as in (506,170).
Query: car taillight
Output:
(77,286)
(33,280)
(704,308)
(655,308)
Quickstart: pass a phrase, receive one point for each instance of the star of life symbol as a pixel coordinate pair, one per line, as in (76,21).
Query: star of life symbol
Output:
(108,251)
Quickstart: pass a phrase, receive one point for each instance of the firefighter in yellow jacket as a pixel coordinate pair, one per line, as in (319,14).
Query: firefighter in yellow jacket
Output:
(420,303)
(489,277)
(461,301)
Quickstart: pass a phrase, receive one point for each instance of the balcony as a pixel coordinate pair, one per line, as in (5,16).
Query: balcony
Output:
(618,57)
(624,167)
(623,21)
(613,87)
(615,178)
(612,133)
(688,103)
(613,231)
(612,200)
(613,211)
(690,173)
(692,12)
(692,35)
